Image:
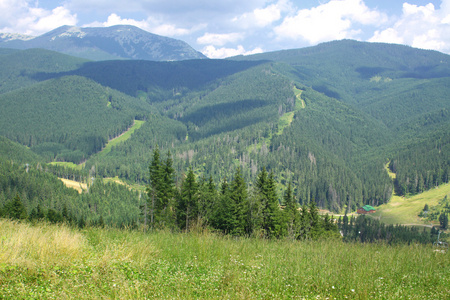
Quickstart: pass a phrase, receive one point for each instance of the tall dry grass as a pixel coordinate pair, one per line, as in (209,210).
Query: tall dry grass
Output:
(45,261)
(25,245)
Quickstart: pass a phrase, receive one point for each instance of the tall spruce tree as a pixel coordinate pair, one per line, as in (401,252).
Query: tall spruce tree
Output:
(222,216)
(155,186)
(291,214)
(207,197)
(188,201)
(316,225)
(238,197)
(271,215)
(167,194)
(305,223)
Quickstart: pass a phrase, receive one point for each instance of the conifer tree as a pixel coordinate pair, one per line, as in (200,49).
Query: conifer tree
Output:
(316,226)
(292,216)
(207,196)
(15,209)
(305,223)
(188,201)
(167,193)
(238,197)
(155,186)
(271,216)
(443,220)
(222,217)
(168,181)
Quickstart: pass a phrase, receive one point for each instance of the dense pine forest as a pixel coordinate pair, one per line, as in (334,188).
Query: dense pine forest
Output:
(237,139)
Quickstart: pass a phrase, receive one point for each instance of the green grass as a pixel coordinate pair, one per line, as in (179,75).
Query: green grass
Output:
(284,121)
(135,186)
(70,165)
(299,102)
(57,262)
(122,138)
(405,210)
(114,142)
(287,118)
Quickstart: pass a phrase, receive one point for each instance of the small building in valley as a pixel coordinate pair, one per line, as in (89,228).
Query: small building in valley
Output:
(366,209)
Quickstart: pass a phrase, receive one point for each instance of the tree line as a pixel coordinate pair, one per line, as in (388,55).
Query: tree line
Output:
(231,207)
(368,230)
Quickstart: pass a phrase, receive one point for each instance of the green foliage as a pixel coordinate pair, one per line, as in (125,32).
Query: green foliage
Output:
(443,220)
(15,209)
(187,206)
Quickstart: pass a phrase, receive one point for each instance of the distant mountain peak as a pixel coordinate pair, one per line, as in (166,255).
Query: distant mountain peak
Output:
(5,37)
(71,32)
(105,43)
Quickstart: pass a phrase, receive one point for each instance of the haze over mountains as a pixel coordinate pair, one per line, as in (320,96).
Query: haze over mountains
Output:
(100,43)
(326,118)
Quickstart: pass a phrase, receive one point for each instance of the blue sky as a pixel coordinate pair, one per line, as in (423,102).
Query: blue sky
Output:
(221,28)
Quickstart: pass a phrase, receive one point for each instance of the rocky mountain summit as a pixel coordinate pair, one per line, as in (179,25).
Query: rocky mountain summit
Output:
(104,43)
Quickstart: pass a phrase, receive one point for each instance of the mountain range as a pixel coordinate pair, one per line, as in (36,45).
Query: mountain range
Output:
(105,43)
(328,119)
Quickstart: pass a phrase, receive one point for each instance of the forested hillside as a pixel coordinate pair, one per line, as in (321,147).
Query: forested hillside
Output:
(67,118)
(18,68)
(324,119)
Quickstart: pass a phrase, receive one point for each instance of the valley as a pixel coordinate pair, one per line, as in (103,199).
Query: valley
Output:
(140,169)
(322,119)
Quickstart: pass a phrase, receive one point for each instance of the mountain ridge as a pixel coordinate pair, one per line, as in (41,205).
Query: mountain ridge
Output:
(218,115)
(105,43)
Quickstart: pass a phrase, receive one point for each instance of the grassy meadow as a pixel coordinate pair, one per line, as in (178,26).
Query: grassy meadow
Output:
(122,138)
(405,210)
(45,261)
(79,186)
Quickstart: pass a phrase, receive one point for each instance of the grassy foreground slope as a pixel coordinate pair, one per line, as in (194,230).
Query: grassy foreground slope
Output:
(45,261)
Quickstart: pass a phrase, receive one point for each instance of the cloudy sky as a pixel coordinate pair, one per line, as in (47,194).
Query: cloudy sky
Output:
(221,28)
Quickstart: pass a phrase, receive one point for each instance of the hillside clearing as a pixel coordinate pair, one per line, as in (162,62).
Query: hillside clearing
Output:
(117,180)
(80,187)
(287,118)
(65,164)
(405,210)
(121,138)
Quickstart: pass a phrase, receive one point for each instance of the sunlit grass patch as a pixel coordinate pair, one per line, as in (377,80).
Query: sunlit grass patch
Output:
(122,138)
(405,210)
(79,186)
(70,165)
(32,246)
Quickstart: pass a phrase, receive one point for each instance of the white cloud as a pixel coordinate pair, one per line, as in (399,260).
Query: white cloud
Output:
(114,19)
(329,21)
(262,17)
(419,26)
(213,52)
(23,16)
(218,39)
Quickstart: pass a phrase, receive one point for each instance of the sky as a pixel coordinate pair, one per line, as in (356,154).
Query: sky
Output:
(223,28)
